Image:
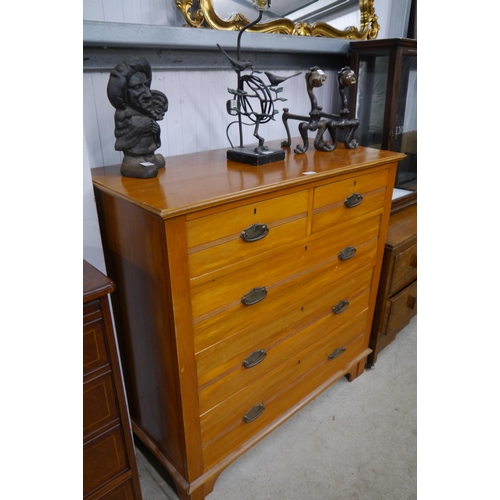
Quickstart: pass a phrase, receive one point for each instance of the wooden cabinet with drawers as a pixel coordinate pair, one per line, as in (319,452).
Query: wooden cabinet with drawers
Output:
(109,465)
(242,293)
(397,297)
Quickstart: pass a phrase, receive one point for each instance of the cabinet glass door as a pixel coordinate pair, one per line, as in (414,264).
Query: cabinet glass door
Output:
(386,106)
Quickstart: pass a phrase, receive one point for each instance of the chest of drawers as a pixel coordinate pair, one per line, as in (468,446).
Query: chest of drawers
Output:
(397,296)
(242,293)
(109,465)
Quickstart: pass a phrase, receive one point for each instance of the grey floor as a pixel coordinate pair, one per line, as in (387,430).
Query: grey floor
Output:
(356,441)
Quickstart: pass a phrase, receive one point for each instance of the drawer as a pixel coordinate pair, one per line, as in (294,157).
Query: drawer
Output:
(231,221)
(235,316)
(330,206)
(404,270)
(224,290)
(223,253)
(104,458)
(123,491)
(224,429)
(94,346)
(216,241)
(277,351)
(400,309)
(99,404)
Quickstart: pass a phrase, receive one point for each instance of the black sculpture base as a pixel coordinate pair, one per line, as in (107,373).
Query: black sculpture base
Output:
(248,156)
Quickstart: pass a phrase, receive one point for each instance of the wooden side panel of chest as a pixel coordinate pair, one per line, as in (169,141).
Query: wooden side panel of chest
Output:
(233,317)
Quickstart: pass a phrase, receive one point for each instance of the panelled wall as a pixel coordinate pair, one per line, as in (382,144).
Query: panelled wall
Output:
(196,120)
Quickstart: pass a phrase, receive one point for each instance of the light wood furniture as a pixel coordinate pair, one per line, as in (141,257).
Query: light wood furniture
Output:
(397,295)
(109,464)
(243,293)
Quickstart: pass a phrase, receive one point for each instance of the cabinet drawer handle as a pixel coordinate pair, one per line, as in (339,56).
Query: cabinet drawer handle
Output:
(340,306)
(254,413)
(254,232)
(353,201)
(413,261)
(347,253)
(254,359)
(337,353)
(411,302)
(254,295)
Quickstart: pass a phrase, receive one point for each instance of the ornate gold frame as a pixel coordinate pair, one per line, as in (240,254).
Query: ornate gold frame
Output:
(202,15)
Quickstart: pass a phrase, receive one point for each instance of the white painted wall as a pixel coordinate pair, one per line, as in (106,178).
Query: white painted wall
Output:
(196,119)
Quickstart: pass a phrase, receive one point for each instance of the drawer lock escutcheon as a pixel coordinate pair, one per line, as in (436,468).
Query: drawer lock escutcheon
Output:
(254,359)
(254,413)
(254,232)
(340,306)
(254,295)
(353,201)
(337,353)
(347,253)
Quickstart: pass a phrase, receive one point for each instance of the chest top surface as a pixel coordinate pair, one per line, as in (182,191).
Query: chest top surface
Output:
(200,180)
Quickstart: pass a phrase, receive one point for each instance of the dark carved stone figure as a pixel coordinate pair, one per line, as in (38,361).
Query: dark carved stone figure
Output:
(138,108)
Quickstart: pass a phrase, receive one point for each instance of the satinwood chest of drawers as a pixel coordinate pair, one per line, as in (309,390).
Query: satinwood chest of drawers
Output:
(242,293)
(109,464)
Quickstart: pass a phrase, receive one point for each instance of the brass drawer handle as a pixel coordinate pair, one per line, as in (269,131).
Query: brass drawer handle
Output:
(254,359)
(254,232)
(353,201)
(347,253)
(254,295)
(254,413)
(337,353)
(340,306)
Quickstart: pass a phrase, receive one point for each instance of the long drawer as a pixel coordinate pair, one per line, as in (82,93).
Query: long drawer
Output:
(252,353)
(218,305)
(232,235)
(242,416)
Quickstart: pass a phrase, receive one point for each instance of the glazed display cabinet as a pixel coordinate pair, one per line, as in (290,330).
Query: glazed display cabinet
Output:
(385,102)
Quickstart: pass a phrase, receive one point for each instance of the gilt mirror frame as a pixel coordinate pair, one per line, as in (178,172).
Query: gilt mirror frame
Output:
(202,14)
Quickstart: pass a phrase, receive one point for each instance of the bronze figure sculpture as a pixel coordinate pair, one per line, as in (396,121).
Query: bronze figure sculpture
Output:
(319,121)
(138,109)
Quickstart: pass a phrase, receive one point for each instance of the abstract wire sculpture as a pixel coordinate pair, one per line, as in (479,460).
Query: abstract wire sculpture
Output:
(253,100)
(320,121)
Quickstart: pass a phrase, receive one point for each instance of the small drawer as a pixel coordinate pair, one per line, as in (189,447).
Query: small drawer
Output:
(346,200)
(95,353)
(99,404)
(104,458)
(223,253)
(232,423)
(230,223)
(405,269)
(400,309)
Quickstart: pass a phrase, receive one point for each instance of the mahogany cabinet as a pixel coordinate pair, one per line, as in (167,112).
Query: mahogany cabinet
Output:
(109,464)
(397,296)
(242,293)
